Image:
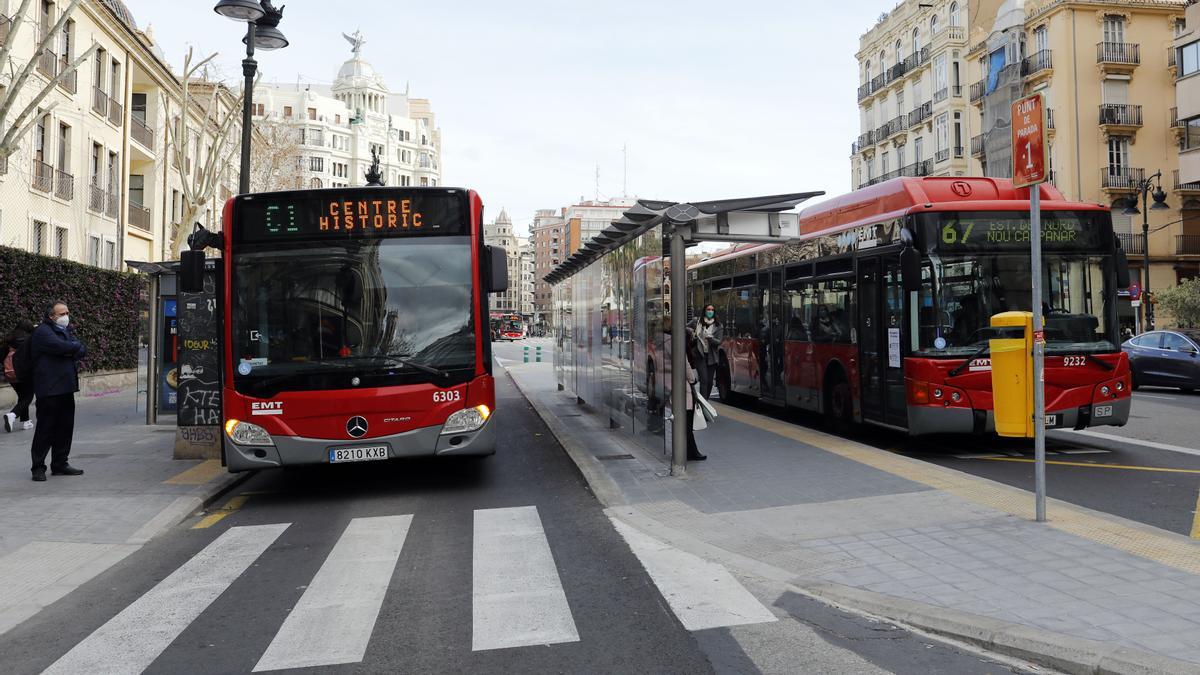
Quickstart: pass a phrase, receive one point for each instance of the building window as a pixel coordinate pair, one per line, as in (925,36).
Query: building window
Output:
(1191,136)
(260,109)
(1189,59)
(94,250)
(110,255)
(1118,155)
(39,236)
(933,27)
(958,140)
(1114,28)
(954,18)
(316,163)
(60,242)
(916,40)
(941,132)
(114,181)
(287,111)
(1041,39)
(884,165)
(64,147)
(312,114)
(137,190)
(176,206)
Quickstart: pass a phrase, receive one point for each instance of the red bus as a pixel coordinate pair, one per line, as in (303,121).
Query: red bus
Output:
(356,326)
(880,312)
(509,326)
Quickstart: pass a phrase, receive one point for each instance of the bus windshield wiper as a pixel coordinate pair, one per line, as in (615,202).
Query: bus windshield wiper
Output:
(390,361)
(982,350)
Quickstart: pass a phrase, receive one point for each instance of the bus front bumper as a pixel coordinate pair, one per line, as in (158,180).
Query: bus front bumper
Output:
(423,442)
(954,420)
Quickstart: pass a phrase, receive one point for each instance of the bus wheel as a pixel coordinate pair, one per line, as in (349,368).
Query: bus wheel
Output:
(838,402)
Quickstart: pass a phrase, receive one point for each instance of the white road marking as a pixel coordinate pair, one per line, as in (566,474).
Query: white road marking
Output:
(1093,451)
(1165,398)
(333,621)
(1145,444)
(131,640)
(702,594)
(516,596)
(985,455)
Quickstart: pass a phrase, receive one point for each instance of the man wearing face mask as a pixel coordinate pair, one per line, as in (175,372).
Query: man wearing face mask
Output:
(56,352)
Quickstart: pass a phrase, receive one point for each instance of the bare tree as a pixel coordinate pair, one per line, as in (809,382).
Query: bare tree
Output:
(13,128)
(211,164)
(275,162)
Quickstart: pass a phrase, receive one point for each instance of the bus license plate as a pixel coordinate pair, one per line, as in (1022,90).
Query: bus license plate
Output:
(1051,421)
(367,454)
(1103,411)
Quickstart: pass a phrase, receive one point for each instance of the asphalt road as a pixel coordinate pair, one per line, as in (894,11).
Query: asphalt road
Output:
(502,564)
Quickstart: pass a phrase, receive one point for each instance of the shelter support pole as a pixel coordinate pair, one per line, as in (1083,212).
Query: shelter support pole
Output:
(678,352)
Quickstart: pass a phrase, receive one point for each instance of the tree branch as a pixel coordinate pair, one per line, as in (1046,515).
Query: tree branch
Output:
(9,141)
(19,83)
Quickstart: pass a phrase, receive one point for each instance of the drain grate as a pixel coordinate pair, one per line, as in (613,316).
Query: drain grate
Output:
(604,458)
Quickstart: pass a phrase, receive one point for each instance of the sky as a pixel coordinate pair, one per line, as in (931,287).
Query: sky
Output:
(711,99)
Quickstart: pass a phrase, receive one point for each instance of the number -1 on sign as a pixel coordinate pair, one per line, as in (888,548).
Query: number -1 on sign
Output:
(1029,141)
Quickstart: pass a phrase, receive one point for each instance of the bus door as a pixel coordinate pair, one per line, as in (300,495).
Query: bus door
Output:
(770,336)
(881,340)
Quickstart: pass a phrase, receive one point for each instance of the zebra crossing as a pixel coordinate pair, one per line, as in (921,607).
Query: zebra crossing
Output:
(517,593)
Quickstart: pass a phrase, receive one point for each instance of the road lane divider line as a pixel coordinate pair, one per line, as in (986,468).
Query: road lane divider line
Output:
(1089,465)
(236,502)
(197,475)
(702,594)
(333,621)
(517,598)
(130,641)
(1129,441)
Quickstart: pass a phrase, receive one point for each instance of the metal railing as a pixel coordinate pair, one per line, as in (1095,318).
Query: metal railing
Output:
(977,91)
(941,94)
(866,139)
(64,185)
(113,205)
(1121,114)
(1193,186)
(879,82)
(1170,57)
(1049,118)
(139,216)
(920,114)
(1037,62)
(99,101)
(1187,244)
(1118,52)
(43,176)
(1132,243)
(116,112)
(141,132)
(96,198)
(958,151)
(922,168)
(864,90)
(896,125)
(956,91)
(47,63)
(942,155)
(1175,123)
(1121,177)
(888,175)
(977,145)
(70,81)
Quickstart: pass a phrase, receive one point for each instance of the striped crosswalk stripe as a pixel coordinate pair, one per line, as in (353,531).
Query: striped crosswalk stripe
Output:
(334,619)
(517,597)
(131,640)
(702,594)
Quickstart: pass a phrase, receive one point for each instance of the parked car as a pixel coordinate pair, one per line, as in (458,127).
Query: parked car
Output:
(1165,358)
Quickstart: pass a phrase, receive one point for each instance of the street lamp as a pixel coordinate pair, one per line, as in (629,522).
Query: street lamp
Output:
(1160,204)
(262,31)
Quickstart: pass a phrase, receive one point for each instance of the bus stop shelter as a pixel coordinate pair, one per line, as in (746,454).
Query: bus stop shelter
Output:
(617,340)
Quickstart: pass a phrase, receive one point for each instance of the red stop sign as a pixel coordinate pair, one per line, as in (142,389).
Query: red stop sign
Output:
(1029,141)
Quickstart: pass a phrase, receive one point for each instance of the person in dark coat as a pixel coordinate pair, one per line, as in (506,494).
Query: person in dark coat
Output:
(18,417)
(707,335)
(56,352)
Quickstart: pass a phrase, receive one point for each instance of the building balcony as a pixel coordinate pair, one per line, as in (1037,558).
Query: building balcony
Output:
(70,82)
(99,101)
(977,146)
(941,94)
(956,91)
(64,185)
(1132,243)
(879,82)
(47,64)
(866,140)
(942,156)
(1118,57)
(1192,188)
(1187,244)
(1121,179)
(950,36)
(923,168)
(919,114)
(139,216)
(116,112)
(894,126)
(864,91)
(888,175)
(1120,118)
(112,205)
(1171,67)
(43,176)
(142,133)
(977,92)
(916,60)
(1037,66)
(96,198)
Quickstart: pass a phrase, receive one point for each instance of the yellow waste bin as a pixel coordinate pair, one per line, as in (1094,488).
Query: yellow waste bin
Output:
(1012,373)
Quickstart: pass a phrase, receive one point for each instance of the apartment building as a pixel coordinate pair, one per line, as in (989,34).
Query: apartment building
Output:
(91,182)
(590,217)
(340,125)
(548,238)
(1187,96)
(1107,69)
(500,233)
(912,98)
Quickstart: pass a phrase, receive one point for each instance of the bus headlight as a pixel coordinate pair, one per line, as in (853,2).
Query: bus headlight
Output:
(468,419)
(245,433)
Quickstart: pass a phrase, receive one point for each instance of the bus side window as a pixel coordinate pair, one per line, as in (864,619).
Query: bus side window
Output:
(743,313)
(796,328)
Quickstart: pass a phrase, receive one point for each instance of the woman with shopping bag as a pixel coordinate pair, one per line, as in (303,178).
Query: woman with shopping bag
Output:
(694,422)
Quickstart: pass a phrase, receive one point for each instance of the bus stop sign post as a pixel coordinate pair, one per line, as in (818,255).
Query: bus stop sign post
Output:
(1029,170)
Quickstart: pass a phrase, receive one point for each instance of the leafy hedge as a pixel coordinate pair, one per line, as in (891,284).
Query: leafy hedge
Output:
(106,306)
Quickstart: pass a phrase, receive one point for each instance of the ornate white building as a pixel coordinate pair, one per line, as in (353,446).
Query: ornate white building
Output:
(341,124)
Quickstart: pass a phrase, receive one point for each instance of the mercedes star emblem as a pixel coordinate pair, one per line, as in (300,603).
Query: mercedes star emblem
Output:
(356,427)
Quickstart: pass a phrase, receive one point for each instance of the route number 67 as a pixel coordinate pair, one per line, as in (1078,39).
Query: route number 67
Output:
(446,396)
(951,235)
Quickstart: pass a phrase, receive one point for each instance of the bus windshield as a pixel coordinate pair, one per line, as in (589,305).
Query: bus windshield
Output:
(303,310)
(961,290)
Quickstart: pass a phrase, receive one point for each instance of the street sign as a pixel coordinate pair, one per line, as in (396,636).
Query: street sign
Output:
(1135,291)
(1029,141)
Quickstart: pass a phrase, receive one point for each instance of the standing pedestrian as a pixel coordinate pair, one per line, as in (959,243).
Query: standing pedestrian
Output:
(693,451)
(22,386)
(707,343)
(56,353)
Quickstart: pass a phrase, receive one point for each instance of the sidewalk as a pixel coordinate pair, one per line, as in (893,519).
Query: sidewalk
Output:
(55,536)
(901,539)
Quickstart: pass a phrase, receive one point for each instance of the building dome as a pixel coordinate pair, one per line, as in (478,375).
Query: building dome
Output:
(356,67)
(121,11)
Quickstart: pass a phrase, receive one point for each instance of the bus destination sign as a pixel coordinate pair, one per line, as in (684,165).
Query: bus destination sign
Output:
(369,213)
(1061,230)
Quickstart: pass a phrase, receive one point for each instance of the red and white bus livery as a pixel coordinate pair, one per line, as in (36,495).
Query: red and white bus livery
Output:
(880,312)
(356,326)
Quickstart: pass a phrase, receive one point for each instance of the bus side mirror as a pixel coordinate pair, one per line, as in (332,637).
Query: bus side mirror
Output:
(910,269)
(1123,280)
(191,271)
(498,269)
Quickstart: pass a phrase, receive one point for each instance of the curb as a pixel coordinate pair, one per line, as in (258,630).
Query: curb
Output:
(1069,654)
(183,507)
(602,486)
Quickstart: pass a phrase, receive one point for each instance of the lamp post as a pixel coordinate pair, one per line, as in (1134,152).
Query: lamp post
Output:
(1160,204)
(262,31)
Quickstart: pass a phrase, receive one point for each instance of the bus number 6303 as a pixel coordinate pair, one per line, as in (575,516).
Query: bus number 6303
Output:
(446,396)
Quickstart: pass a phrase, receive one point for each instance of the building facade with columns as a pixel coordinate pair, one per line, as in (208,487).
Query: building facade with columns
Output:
(340,125)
